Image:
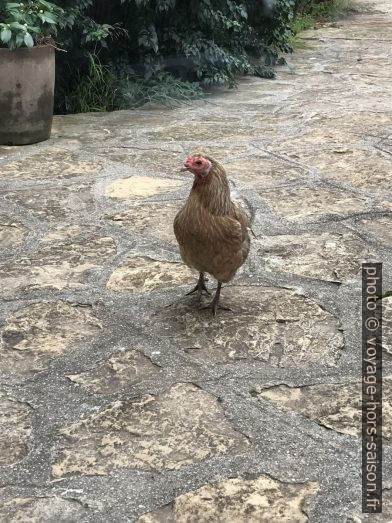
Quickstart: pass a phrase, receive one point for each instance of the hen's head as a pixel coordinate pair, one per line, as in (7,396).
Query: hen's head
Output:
(199,165)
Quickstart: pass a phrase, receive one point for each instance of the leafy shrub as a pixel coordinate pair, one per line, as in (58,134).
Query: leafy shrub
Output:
(104,89)
(24,22)
(123,53)
(309,12)
(163,44)
(325,10)
(94,91)
(150,43)
(162,88)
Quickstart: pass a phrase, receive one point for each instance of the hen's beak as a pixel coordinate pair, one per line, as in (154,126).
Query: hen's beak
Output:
(185,168)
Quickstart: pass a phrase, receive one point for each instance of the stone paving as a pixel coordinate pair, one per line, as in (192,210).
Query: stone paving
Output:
(121,401)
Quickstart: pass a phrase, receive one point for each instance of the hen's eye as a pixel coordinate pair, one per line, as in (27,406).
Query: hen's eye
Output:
(198,162)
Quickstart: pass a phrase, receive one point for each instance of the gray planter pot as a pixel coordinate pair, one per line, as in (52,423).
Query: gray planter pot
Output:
(26,94)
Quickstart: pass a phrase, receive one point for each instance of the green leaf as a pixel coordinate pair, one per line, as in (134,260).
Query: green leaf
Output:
(5,35)
(47,17)
(19,40)
(35,30)
(28,40)
(17,25)
(12,44)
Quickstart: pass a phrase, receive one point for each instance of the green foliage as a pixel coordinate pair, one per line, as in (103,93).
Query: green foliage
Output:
(104,88)
(324,10)
(24,22)
(162,89)
(93,92)
(302,23)
(169,42)
(309,12)
(169,47)
(124,53)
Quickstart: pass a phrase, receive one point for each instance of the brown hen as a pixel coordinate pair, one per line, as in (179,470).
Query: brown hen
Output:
(211,230)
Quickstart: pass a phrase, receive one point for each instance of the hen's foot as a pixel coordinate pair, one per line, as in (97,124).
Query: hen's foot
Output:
(215,305)
(200,287)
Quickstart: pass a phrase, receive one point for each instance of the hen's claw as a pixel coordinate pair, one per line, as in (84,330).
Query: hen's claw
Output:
(214,305)
(200,287)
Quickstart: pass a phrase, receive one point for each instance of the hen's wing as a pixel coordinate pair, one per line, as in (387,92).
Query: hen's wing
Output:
(179,226)
(217,244)
(230,247)
(205,227)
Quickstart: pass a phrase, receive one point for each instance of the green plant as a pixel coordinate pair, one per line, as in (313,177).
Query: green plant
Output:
(162,89)
(300,23)
(324,10)
(27,21)
(104,88)
(203,42)
(95,91)
(309,12)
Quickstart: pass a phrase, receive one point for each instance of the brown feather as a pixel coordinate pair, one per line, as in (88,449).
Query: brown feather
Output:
(211,230)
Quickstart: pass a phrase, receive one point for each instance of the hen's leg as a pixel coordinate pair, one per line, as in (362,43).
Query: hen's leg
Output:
(214,305)
(200,287)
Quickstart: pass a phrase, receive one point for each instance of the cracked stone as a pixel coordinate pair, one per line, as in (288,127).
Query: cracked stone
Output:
(325,129)
(381,228)
(65,258)
(15,430)
(386,145)
(6,150)
(363,169)
(155,220)
(269,324)
(141,187)
(319,203)
(108,128)
(58,164)
(143,274)
(376,32)
(222,153)
(11,232)
(182,426)
(259,101)
(263,171)
(41,509)
(336,406)
(55,204)
(327,256)
(35,334)
(211,130)
(124,369)
(313,135)
(384,517)
(239,500)
(160,159)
